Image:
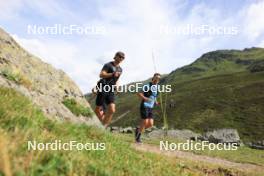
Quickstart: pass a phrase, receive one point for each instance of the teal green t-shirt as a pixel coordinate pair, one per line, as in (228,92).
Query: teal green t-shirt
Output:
(153,96)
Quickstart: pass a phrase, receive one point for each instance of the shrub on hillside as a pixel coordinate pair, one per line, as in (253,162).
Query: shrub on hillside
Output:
(257,67)
(77,108)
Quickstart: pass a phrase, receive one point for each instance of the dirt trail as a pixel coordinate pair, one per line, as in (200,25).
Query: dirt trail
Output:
(200,158)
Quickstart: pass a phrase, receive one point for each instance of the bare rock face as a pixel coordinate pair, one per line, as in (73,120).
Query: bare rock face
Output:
(174,134)
(46,86)
(222,136)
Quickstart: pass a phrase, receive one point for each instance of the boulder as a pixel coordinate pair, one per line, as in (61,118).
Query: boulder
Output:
(156,134)
(183,134)
(256,145)
(222,136)
(120,130)
(177,134)
(128,130)
(151,129)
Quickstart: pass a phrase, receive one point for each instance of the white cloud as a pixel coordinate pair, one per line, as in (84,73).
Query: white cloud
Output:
(9,9)
(261,44)
(134,27)
(254,15)
(57,53)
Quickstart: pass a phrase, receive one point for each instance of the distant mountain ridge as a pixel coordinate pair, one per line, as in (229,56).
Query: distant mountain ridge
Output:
(222,62)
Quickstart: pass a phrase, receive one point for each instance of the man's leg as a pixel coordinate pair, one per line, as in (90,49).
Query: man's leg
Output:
(139,130)
(143,125)
(146,115)
(150,123)
(99,113)
(109,114)
(99,109)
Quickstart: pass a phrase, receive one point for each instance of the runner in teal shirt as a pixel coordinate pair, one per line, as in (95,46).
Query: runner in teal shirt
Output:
(148,101)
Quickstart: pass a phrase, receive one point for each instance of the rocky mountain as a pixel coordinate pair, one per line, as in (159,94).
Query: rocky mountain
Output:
(51,89)
(221,89)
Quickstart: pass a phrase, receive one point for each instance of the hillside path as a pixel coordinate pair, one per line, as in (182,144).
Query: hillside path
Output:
(245,167)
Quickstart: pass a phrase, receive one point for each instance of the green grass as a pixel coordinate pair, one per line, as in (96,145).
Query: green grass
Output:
(216,91)
(230,101)
(8,74)
(76,108)
(16,77)
(21,121)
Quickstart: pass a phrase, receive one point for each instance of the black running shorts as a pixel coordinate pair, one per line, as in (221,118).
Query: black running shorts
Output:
(145,112)
(105,98)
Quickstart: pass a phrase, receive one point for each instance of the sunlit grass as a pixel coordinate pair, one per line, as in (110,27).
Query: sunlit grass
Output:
(21,121)
(76,108)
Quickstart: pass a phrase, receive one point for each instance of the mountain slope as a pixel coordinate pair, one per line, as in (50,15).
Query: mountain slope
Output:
(221,89)
(50,89)
(21,121)
(220,62)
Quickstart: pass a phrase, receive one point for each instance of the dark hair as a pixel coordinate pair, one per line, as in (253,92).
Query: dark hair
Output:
(119,54)
(156,74)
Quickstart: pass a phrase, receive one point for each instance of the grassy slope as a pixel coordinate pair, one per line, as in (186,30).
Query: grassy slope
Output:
(216,91)
(20,121)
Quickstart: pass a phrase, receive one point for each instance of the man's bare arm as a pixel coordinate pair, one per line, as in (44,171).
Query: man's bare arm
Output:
(141,95)
(104,74)
(117,86)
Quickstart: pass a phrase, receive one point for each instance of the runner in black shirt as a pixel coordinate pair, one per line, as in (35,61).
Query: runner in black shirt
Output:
(109,75)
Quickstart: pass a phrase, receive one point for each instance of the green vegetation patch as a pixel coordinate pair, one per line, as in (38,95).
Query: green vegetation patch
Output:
(77,108)
(8,74)
(16,77)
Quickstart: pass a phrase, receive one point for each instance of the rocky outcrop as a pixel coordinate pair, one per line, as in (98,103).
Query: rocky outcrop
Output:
(156,134)
(222,136)
(256,145)
(46,86)
(115,129)
(128,130)
(178,134)
(216,136)
(183,134)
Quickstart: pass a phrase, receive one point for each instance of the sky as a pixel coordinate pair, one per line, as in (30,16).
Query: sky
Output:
(174,32)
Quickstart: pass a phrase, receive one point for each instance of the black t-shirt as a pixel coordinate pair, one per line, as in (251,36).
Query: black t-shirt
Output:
(111,68)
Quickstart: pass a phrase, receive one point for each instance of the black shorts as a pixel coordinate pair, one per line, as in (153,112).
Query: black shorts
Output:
(105,98)
(145,112)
